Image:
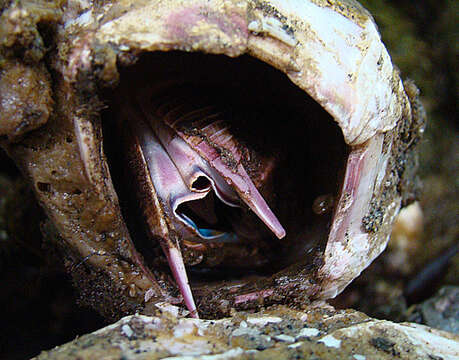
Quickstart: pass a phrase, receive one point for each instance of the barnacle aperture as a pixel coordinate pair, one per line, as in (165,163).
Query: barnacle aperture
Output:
(222,162)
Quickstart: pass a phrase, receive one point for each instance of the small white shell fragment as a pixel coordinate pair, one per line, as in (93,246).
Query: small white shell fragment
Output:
(262,321)
(308,332)
(230,354)
(171,309)
(330,341)
(295,345)
(127,331)
(245,331)
(285,338)
(266,337)
(359,357)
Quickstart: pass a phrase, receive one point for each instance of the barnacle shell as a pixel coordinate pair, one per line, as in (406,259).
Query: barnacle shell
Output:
(329,49)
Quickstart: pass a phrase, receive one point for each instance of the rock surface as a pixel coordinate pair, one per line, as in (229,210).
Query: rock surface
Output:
(319,332)
(440,311)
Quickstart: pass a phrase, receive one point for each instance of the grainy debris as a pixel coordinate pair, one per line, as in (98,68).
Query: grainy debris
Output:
(277,333)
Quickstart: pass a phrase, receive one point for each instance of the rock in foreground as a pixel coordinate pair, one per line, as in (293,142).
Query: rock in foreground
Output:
(276,333)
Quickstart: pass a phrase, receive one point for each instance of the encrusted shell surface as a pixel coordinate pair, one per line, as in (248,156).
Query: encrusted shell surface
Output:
(277,333)
(329,49)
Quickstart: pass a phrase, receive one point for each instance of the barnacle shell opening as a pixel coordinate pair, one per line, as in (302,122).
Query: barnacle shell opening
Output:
(310,89)
(292,149)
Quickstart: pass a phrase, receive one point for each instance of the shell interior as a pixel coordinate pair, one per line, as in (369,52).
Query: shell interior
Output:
(290,148)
